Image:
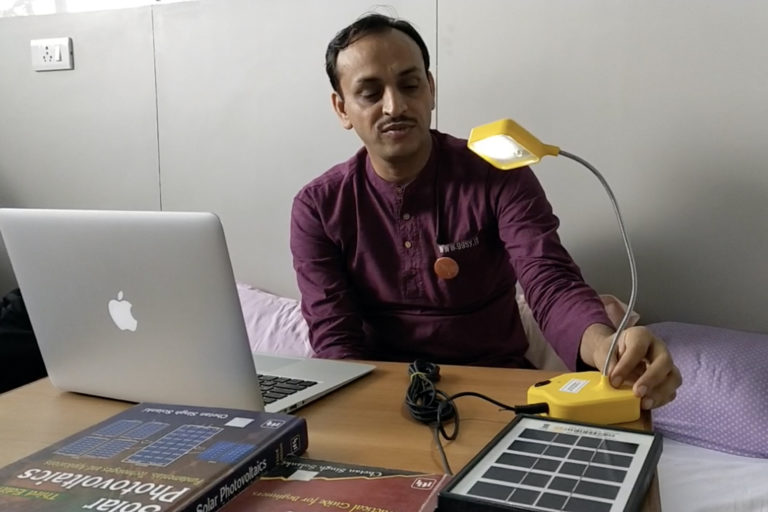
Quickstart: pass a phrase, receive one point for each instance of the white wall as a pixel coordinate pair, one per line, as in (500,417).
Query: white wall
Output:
(196,106)
(668,100)
(246,119)
(84,138)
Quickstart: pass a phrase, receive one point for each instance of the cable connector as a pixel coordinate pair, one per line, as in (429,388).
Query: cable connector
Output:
(539,408)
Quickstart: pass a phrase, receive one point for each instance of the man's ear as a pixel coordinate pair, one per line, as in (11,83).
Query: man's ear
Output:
(431,81)
(340,108)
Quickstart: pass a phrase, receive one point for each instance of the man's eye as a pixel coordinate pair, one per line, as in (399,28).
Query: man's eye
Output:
(369,95)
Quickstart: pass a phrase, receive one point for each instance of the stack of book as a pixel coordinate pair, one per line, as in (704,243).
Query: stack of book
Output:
(153,458)
(170,458)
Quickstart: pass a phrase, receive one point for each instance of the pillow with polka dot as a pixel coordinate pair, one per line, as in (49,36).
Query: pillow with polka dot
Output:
(722,403)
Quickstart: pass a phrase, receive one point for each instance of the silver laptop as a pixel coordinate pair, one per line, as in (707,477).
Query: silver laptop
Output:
(142,306)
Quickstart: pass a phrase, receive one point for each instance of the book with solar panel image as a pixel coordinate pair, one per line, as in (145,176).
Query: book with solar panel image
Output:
(544,464)
(153,458)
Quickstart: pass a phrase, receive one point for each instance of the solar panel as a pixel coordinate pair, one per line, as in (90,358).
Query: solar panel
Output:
(145,430)
(543,464)
(116,428)
(81,446)
(173,445)
(110,449)
(226,452)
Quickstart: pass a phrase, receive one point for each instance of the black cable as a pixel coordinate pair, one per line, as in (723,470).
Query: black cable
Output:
(434,407)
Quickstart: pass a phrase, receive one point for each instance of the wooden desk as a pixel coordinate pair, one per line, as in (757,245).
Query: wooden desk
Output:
(363,423)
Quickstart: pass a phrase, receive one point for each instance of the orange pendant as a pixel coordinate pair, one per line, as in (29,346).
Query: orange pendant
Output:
(446,268)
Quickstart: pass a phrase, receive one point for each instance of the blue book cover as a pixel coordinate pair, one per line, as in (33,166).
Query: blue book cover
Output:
(153,458)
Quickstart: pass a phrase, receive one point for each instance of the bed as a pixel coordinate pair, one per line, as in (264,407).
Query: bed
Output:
(696,479)
(715,455)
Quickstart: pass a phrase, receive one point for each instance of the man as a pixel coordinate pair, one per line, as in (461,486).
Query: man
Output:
(366,234)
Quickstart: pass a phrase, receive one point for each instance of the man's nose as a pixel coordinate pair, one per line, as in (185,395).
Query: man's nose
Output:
(394,103)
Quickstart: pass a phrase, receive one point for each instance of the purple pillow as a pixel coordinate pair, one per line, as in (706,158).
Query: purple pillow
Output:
(723,402)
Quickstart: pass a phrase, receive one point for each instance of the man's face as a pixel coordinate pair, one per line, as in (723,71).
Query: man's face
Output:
(387,96)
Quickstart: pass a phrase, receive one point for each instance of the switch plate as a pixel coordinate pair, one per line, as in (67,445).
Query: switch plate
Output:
(52,54)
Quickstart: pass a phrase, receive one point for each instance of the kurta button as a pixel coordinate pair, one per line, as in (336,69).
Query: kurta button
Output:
(407,244)
(406,216)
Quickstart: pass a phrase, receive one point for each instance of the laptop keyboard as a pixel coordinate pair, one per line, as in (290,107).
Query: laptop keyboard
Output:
(274,388)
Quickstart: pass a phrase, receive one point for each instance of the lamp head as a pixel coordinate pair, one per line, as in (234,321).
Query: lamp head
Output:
(507,145)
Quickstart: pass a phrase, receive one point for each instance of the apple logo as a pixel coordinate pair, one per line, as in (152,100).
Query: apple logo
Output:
(120,311)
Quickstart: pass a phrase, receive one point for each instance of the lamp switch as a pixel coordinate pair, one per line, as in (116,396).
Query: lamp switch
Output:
(52,54)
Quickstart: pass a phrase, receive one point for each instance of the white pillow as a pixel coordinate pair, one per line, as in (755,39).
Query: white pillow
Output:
(275,325)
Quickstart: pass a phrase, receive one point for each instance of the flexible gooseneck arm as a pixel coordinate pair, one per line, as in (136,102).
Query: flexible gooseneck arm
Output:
(632,268)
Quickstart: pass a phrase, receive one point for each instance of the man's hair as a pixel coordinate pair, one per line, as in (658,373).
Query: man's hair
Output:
(369,24)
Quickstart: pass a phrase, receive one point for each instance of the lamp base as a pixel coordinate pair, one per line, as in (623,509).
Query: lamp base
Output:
(586,397)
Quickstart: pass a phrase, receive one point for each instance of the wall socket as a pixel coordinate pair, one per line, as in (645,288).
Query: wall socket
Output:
(52,54)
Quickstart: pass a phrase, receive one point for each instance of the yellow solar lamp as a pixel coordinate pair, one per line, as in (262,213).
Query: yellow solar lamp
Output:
(578,396)
(507,145)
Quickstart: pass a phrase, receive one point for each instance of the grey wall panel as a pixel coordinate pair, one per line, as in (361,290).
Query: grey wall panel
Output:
(246,117)
(84,138)
(667,99)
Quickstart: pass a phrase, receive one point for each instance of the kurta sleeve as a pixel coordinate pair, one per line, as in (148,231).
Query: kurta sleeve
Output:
(327,299)
(562,303)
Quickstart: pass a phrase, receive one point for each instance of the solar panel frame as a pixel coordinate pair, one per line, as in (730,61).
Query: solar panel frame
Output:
(610,470)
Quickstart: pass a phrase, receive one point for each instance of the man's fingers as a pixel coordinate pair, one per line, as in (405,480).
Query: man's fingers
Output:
(665,392)
(657,372)
(633,351)
(644,360)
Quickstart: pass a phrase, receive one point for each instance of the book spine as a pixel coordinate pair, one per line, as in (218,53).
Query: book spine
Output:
(292,440)
(430,504)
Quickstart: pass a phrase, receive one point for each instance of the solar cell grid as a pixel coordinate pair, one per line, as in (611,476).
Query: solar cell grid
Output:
(173,445)
(110,448)
(226,452)
(539,464)
(81,446)
(145,430)
(116,428)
